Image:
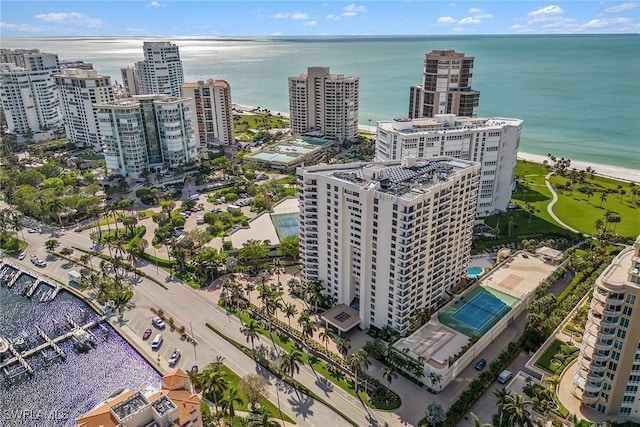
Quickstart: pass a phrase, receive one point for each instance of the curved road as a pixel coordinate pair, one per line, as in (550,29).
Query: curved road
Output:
(553,202)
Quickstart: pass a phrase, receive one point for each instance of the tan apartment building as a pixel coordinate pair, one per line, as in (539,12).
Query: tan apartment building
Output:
(324,104)
(607,376)
(211,102)
(445,87)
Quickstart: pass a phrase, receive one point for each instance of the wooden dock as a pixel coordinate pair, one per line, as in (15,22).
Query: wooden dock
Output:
(33,287)
(49,342)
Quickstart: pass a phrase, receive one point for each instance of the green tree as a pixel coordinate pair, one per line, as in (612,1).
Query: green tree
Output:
(343,344)
(290,362)
(325,337)
(435,415)
(357,362)
(214,383)
(51,244)
(251,331)
(230,400)
(289,246)
(253,386)
(389,374)
(290,311)
(253,250)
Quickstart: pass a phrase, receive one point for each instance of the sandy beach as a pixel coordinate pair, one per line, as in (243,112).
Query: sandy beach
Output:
(624,174)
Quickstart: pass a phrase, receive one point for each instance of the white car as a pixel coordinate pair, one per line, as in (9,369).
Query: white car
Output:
(157,322)
(22,256)
(40,263)
(32,230)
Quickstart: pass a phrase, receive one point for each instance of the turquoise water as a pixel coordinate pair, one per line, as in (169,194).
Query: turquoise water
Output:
(578,94)
(474,272)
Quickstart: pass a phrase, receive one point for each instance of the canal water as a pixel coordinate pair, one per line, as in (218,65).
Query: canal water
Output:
(62,390)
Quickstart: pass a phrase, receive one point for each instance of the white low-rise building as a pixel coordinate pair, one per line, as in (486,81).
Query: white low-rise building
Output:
(492,142)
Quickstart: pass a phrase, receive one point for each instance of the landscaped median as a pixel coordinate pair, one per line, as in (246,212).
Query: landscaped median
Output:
(246,350)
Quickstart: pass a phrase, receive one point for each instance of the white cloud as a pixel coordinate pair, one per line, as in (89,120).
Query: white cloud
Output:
(73,18)
(475,10)
(21,27)
(136,30)
(469,20)
(483,16)
(446,20)
(604,23)
(155,4)
(622,7)
(295,15)
(311,24)
(355,8)
(546,11)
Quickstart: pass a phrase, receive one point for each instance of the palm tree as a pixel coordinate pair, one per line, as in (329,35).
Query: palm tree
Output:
(389,374)
(356,361)
(476,422)
(435,379)
(289,363)
(248,288)
(214,382)
(251,331)
(232,398)
(325,336)
(290,311)
(515,411)
(603,198)
(55,207)
(264,420)
(343,345)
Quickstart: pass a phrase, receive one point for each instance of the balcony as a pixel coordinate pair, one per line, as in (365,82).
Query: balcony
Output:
(599,308)
(597,331)
(585,397)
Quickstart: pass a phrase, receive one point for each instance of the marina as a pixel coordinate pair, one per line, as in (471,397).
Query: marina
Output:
(57,351)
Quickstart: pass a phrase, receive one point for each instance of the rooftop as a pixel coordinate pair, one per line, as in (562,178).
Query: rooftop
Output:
(342,317)
(129,406)
(443,123)
(408,178)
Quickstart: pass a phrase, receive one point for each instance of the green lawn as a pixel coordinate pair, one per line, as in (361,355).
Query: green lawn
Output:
(575,208)
(233,379)
(544,362)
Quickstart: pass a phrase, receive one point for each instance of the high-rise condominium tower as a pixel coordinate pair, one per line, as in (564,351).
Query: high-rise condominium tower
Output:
(445,87)
(387,238)
(211,101)
(146,132)
(131,81)
(492,142)
(324,104)
(161,71)
(29,94)
(79,90)
(607,374)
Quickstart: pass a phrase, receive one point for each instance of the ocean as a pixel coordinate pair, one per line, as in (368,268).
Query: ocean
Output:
(62,390)
(579,95)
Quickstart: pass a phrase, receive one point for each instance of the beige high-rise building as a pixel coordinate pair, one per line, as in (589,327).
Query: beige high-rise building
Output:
(161,71)
(80,90)
(445,87)
(211,102)
(324,104)
(131,81)
(387,238)
(607,376)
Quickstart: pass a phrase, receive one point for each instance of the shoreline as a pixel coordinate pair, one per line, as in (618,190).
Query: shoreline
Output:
(608,171)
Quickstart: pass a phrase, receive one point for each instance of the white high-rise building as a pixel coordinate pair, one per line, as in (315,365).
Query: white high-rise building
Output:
(491,142)
(147,132)
(211,101)
(29,95)
(161,71)
(79,90)
(445,87)
(324,104)
(387,238)
(131,81)
(607,372)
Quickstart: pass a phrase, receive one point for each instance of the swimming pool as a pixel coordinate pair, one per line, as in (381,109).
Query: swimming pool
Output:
(474,272)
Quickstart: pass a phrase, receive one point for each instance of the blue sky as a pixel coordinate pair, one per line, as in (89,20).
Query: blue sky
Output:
(26,18)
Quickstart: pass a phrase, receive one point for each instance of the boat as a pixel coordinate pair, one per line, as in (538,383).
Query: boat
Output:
(4,345)
(83,340)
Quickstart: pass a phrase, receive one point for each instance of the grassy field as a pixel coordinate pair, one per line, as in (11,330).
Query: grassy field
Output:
(544,362)
(233,380)
(575,208)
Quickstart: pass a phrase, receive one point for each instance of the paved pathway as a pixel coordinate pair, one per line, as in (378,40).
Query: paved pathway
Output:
(553,202)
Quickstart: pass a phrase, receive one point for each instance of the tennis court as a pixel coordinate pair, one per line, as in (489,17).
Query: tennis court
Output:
(478,311)
(286,224)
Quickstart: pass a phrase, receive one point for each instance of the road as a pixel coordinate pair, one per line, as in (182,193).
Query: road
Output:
(193,309)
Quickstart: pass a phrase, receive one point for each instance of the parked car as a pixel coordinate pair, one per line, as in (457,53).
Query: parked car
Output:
(157,322)
(481,364)
(147,334)
(504,376)
(32,230)
(157,342)
(175,357)
(22,256)
(40,263)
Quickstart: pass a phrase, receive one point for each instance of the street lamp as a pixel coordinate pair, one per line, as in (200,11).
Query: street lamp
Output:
(193,340)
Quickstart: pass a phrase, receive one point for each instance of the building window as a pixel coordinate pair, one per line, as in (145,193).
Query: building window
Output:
(625,411)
